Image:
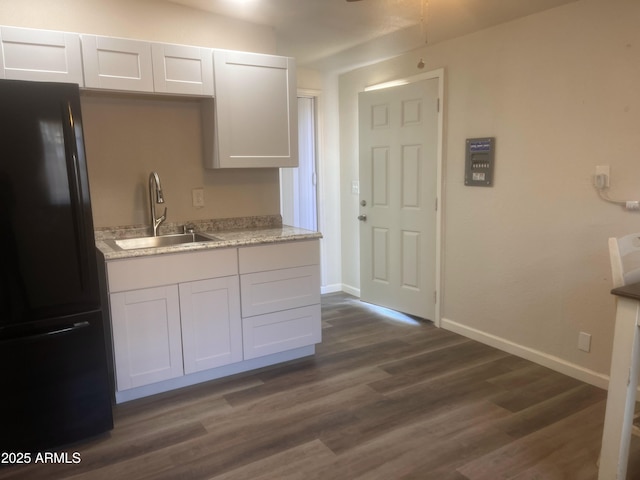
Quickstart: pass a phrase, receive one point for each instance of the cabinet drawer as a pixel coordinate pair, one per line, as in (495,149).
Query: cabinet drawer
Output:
(266,292)
(282,255)
(280,331)
(156,270)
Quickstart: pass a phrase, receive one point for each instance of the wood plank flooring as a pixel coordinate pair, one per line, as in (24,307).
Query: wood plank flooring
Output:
(381,399)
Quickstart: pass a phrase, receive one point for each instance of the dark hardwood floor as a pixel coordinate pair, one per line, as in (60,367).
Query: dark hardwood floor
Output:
(381,399)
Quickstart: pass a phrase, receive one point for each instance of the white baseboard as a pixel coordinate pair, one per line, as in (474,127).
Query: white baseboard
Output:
(336,287)
(213,374)
(351,290)
(555,363)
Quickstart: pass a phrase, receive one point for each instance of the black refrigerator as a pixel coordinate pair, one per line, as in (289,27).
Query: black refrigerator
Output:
(54,387)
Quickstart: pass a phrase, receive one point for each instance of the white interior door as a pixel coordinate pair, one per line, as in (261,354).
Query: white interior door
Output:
(398,191)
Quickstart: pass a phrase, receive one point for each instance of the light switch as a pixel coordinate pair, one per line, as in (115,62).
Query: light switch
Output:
(197,195)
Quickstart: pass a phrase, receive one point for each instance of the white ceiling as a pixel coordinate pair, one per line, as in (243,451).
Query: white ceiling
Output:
(334,34)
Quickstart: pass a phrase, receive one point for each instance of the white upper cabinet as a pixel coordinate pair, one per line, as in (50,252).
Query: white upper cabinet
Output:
(133,65)
(182,69)
(256,112)
(40,55)
(117,63)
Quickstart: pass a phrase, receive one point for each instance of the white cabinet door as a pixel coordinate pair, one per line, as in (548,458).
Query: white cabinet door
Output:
(117,63)
(146,336)
(255,112)
(40,55)
(182,69)
(211,324)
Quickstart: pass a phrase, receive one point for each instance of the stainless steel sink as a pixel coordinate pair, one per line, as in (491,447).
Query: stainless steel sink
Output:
(162,241)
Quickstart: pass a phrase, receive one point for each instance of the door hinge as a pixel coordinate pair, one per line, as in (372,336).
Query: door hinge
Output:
(438,106)
(435,296)
(436,204)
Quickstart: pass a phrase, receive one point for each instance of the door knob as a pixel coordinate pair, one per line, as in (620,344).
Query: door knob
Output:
(362,218)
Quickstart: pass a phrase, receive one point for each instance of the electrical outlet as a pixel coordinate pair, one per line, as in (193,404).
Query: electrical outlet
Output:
(584,342)
(355,187)
(197,195)
(601,178)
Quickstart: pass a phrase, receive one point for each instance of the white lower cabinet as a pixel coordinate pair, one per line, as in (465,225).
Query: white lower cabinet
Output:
(185,318)
(211,329)
(165,332)
(173,315)
(280,306)
(146,336)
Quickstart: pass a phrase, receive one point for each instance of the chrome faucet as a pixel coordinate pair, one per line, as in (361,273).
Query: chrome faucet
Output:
(155,196)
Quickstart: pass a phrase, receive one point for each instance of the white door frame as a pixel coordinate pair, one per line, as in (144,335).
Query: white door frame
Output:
(437,74)
(289,187)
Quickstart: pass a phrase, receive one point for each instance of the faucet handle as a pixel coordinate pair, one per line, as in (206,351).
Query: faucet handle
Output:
(163,217)
(189,228)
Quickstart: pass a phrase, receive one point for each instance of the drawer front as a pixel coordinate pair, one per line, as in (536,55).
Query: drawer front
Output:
(262,258)
(267,292)
(156,270)
(281,331)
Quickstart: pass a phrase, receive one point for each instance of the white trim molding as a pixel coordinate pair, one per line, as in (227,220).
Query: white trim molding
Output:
(350,290)
(333,288)
(555,363)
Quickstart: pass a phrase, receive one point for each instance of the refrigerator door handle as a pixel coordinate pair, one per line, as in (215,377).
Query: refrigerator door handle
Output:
(77,197)
(64,330)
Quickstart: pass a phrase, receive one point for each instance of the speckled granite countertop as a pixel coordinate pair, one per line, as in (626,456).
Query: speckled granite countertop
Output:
(227,233)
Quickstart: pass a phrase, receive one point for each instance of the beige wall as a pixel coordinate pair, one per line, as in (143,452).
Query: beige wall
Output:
(128,136)
(526,261)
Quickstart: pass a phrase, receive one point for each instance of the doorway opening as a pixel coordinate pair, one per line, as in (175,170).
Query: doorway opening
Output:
(299,186)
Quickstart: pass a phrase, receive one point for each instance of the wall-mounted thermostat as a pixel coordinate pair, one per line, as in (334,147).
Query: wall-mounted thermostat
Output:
(479,162)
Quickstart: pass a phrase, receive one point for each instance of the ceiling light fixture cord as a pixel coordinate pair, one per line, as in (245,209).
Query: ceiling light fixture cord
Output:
(424,18)
(424,11)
